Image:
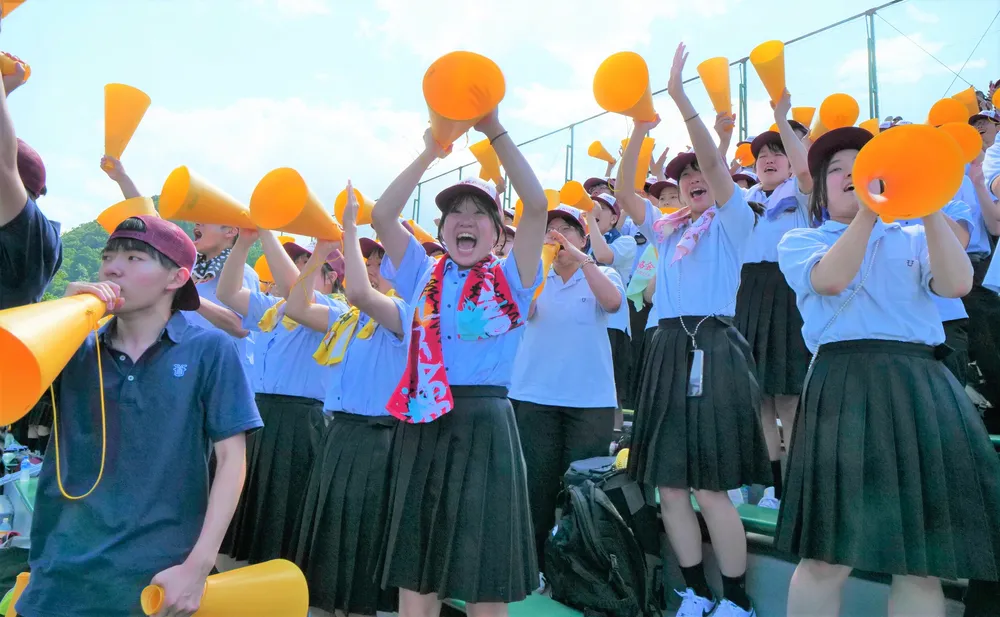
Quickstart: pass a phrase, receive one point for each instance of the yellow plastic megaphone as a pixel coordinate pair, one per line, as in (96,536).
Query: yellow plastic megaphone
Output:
(871,125)
(621,86)
(36,342)
(645,158)
(186,196)
(419,232)
(803,115)
(263,270)
(19,586)
(818,129)
(573,194)
(598,151)
(744,155)
(489,161)
(282,201)
(8,63)
(947,110)
(968,98)
(266,589)
(921,168)
(549,252)
(996,99)
(8,6)
(124,107)
(768,60)
(714,74)
(365,206)
(460,89)
(551,195)
(113,216)
(967,138)
(839,110)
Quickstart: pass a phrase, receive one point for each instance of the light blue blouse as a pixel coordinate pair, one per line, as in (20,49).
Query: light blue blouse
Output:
(207,291)
(979,243)
(565,354)
(624,250)
(763,243)
(482,362)
(991,166)
(895,303)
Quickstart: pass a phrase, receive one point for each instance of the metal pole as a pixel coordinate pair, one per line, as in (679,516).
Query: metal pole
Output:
(416,205)
(872,74)
(743,99)
(572,150)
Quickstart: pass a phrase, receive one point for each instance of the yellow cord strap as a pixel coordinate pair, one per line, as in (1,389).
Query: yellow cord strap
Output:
(104,430)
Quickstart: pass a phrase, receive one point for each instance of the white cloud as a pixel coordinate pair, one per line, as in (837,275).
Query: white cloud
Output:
(898,61)
(919,16)
(297,8)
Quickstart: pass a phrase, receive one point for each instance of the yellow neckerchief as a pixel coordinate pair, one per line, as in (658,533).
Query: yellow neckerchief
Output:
(334,346)
(270,319)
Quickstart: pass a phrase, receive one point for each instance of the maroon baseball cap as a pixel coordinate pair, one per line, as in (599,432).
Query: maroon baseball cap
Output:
(844,138)
(767,138)
(170,240)
(368,246)
(335,259)
(657,187)
(295,251)
(31,168)
(678,164)
(433,248)
(469,186)
(592,183)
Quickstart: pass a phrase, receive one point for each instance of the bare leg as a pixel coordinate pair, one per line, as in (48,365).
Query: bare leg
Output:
(729,539)
(916,596)
(786,406)
(769,422)
(815,589)
(487,609)
(413,604)
(682,526)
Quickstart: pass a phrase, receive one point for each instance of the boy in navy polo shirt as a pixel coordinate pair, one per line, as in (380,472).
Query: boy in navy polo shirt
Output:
(172,392)
(30,250)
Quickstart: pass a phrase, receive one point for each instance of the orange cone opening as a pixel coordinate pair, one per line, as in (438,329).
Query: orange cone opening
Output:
(968,98)
(460,88)
(598,151)
(365,207)
(714,74)
(768,60)
(186,196)
(803,115)
(282,201)
(839,110)
(573,194)
(124,107)
(744,156)
(871,125)
(621,86)
(967,138)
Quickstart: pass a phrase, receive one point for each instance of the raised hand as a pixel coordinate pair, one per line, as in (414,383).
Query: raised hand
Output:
(675,87)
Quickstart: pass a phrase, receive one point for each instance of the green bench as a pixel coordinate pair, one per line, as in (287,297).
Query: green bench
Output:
(532,606)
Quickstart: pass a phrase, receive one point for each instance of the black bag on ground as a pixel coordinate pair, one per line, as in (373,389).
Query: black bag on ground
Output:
(593,561)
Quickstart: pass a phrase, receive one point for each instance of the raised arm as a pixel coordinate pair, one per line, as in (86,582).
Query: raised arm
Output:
(531,227)
(659,164)
(230,290)
(385,214)
(989,208)
(282,267)
(13,195)
(951,270)
(838,267)
(712,167)
(360,293)
(795,150)
(608,295)
(300,305)
(113,167)
(598,245)
(632,204)
(725,122)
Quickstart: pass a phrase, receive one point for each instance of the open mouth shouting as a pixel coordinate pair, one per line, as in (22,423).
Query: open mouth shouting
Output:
(466,243)
(697,192)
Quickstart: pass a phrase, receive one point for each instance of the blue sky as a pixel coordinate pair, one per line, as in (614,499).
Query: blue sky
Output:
(240,87)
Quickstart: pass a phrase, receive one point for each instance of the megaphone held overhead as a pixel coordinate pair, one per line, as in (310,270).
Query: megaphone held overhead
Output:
(460,89)
(124,107)
(186,196)
(621,86)
(598,151)
(365,207)
(282,201)
(489,161)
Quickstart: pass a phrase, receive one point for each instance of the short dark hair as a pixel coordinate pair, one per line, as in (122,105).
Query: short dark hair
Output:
(122,245)
(774,146)
(484,204)
(338,285)
(818,197)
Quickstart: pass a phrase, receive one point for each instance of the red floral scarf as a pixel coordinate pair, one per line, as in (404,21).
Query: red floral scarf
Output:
(486,308)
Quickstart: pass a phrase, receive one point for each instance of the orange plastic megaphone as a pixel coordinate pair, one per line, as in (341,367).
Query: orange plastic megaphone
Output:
(8,6)
(283,240)
(968,98)
(365,207)
(419,232)
(489,161)
(573,194)
(549,252)
(714,74)
(621,86)
(645,158)
(186,196)
(920,166)
(871,125)
(19,586)
(768,60)
(818,129)
(266,589)
(947,110)
(263,270)
(668,210)
(460,89)
(551,195)
(36,342)
(113,216)
(996,99)
(598,151)
(803,115)
(9,62)
(124,107)
(283,201)
(839,110)
(744,156)
(967,138)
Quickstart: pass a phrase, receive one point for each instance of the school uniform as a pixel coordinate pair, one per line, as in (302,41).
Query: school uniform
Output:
(460,525)
(991,168)
(954,318)
(94,556)
(890,468)
(766,314)
(564,389)
(345,514)
(642,332)
(245,345)
(714,441)
(30,255)
(619,330)
(290,399)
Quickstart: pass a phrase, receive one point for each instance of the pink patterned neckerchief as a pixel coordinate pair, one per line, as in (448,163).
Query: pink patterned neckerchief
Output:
(669,223)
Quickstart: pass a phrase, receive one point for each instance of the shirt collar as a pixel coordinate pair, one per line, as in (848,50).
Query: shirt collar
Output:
(174,330)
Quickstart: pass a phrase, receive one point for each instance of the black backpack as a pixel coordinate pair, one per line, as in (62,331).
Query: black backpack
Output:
(593,561)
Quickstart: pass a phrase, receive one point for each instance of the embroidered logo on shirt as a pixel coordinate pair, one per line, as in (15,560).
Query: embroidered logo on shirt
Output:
(910,262)
(180,369)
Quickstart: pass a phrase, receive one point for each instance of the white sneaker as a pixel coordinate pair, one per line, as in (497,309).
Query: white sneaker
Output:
(728,609)
(694,605)
(768,500)
(541,583)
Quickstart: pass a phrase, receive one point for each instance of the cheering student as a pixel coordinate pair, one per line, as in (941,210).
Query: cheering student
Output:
(344,518)
(503,248)
(987,122)
(471,538)
(766,314)
(697,424)
(560,417)
(290,389)
(609,247)
(128,501)
(887,436)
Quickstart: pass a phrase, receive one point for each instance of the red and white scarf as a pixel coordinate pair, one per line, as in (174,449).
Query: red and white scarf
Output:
(486,308)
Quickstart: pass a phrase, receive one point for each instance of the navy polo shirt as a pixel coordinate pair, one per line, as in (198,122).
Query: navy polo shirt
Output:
(30,255)
(92,557)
